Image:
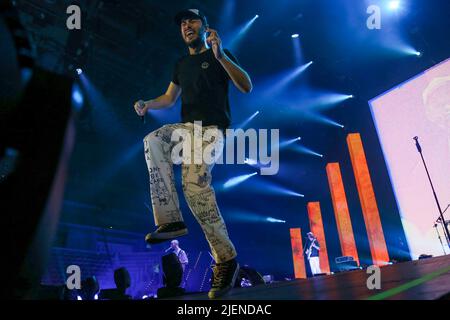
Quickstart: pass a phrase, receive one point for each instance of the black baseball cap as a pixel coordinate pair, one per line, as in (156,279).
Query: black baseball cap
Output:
(190,13)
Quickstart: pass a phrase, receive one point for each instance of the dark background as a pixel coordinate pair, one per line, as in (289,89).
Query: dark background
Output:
(127,50)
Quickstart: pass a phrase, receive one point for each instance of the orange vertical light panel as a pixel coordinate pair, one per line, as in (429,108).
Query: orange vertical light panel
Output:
(316,226)
(297,253)
(341,212)
(368,201)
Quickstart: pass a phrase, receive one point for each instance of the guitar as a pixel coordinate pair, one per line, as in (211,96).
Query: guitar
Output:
(309,251)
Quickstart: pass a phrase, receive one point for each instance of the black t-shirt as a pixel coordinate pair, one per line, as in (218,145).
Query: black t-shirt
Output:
(314,251)
(204,84)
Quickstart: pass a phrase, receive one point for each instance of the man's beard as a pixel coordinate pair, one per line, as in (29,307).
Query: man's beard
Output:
(197,43)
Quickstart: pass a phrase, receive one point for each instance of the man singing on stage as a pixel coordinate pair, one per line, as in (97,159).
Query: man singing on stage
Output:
(201,78)
(313,254)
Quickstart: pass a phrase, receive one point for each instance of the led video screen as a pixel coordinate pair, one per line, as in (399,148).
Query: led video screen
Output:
(420,108)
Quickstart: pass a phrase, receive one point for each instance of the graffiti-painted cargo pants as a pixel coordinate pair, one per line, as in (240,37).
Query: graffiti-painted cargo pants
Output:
(196,181)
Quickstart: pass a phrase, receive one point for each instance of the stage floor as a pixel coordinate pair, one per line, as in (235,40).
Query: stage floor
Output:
(427,279)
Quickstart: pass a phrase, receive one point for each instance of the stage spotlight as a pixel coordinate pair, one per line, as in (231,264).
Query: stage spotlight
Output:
(265,187)
(246,216)
(110,169)
(322,119)
(77,97)
(79,71)
(239,34)
(408,50)
(305,150)
(273,220)
(228,13)
(297,49)
(238,180)
(103,116)
(321,100)
(414,53)
(247,121)
(394,5)
(272,188)
(288,78)
(284,144)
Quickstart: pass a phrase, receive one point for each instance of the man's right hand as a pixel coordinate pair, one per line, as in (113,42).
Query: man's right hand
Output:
(140,108)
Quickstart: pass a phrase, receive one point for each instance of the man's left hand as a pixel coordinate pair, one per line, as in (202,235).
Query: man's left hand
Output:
(215,43)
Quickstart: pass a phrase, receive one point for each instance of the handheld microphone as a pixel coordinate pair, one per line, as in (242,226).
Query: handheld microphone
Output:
(168,249)
(141,104)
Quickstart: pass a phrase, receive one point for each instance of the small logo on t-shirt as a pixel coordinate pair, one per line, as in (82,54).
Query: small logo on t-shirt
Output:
(205,65)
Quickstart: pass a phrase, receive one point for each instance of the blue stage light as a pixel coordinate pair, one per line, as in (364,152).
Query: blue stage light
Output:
(238,180)
(273,220)
(320,100)
(77,97)
(323,119)
(409,50)
(272,188)
(394,5)
(245,216)
(295,35)
(305,150)
(228,13)
(269,188)
(239,34)
(79,71)
(297,50)
(287,143)
(287,78)
(247,121)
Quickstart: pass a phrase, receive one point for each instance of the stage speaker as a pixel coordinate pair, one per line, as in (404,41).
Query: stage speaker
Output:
(41,132)
(248,277)
(344,259)
(37,128)
(347,266)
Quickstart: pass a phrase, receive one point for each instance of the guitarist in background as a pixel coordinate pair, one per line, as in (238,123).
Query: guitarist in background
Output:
(313,254)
